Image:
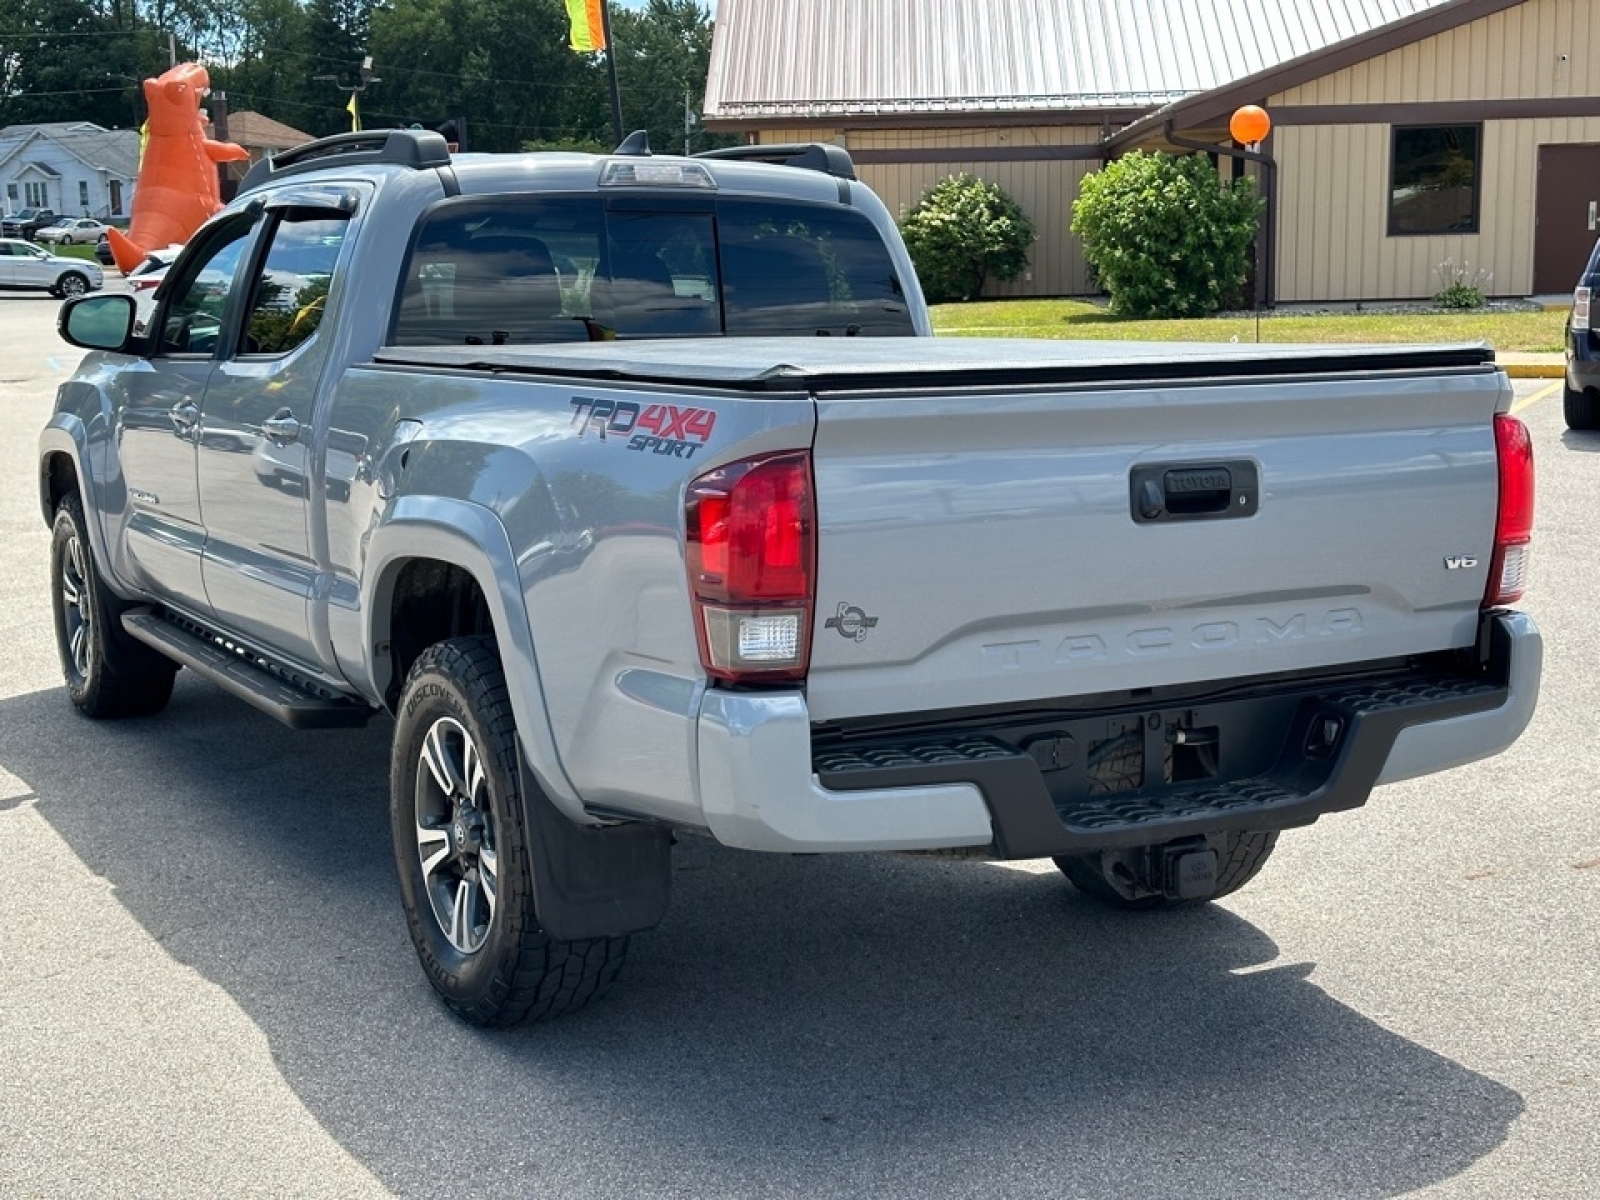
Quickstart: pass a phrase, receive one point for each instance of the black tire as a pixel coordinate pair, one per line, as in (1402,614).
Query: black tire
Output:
(469,906)
(1240,857)
(108,673)
(1582,409)
(73,283)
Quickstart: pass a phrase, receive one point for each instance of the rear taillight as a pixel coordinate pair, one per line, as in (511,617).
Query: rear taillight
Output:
(752,566)
(1580,308)
(1508,569)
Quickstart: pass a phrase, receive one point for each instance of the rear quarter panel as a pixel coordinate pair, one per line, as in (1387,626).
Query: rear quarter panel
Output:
(591,505)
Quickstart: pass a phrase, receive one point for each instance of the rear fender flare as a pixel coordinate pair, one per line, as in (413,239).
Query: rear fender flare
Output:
(471,537)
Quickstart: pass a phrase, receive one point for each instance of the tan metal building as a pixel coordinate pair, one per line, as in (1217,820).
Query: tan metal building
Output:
(1407,133)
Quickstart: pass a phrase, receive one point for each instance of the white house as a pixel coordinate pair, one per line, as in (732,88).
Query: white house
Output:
(74,167)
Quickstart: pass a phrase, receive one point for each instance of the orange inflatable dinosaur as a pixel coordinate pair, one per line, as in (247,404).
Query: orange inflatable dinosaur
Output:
(177,188)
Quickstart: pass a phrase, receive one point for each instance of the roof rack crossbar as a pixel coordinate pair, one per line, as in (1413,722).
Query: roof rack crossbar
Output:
(417,148)
(813,156)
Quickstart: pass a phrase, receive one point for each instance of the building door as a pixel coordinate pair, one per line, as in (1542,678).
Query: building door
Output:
(1567,216)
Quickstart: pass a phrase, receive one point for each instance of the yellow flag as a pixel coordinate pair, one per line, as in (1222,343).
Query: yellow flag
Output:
(588,25)
(354,110)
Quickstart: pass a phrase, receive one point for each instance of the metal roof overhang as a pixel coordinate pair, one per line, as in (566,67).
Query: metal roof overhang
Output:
(1212,108)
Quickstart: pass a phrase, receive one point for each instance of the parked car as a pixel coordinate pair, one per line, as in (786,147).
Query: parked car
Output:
(24,265)
(143,281)
(1582,396)
(102,251)
(82,231)
(26,222)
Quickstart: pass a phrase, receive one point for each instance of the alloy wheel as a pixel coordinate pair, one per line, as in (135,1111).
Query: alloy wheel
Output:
(76,611)
(456,835)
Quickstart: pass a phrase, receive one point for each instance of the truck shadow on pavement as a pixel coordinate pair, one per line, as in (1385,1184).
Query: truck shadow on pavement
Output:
(825,1026)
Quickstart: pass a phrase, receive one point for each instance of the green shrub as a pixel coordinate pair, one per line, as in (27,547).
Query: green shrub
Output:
(1462,286)
(1165,236)
(961,232)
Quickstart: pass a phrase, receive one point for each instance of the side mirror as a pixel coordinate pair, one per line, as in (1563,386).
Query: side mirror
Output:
(97,322)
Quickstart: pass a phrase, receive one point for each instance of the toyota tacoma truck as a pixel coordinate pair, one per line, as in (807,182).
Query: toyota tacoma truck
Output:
(633,489)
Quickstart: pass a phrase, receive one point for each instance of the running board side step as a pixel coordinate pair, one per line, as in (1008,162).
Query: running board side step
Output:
(234,672)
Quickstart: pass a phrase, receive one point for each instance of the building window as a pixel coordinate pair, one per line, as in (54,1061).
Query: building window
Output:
(36,194)
(116,197)
(1433,174)
(11,193)
(83,195)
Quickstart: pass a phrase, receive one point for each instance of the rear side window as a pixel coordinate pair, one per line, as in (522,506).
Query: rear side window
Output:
(569,269)
(289,297)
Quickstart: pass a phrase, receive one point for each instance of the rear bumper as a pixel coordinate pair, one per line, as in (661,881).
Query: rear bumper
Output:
(1034,785)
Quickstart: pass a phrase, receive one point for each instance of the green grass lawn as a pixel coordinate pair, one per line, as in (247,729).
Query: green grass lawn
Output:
(1508,331)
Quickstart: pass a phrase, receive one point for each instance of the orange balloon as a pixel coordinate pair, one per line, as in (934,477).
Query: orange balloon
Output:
(177,187)
(1249,124)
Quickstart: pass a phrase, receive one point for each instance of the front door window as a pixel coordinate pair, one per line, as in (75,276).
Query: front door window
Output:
(192,320)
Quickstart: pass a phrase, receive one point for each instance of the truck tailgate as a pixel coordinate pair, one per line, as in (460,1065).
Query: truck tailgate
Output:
(1023,540)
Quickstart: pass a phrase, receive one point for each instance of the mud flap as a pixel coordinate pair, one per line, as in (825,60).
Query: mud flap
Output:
(594,881)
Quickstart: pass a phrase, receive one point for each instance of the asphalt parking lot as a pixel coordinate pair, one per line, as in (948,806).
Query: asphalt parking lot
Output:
(206,988)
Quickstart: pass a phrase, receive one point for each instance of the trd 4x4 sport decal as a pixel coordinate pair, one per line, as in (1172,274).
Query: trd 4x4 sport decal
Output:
(670,429)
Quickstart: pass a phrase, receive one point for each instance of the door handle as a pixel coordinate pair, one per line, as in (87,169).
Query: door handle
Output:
(1182,491)
(184,415)
(1593,204)
(281,427)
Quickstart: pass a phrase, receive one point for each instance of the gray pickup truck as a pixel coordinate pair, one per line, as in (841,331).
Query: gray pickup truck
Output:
(633,488)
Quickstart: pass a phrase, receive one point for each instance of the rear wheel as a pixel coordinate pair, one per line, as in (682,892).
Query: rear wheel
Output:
(1582,408)
(462,849)
(1240,857)
(108,673)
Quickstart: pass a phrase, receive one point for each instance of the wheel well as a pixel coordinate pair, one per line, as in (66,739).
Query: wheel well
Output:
(432,601)
(60,480)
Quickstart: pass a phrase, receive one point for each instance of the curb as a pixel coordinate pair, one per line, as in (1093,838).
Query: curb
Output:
(1534,370)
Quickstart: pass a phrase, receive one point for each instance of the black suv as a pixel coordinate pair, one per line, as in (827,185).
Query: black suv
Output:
(1583,349)
(27,222)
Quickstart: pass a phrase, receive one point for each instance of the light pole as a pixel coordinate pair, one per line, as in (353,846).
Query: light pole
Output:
(364,79)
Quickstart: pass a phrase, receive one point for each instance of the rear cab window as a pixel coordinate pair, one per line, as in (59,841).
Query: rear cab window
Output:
(514,271)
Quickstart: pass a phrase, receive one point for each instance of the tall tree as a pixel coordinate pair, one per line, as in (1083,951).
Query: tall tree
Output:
(501,64)
(663,54)
(67,60)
